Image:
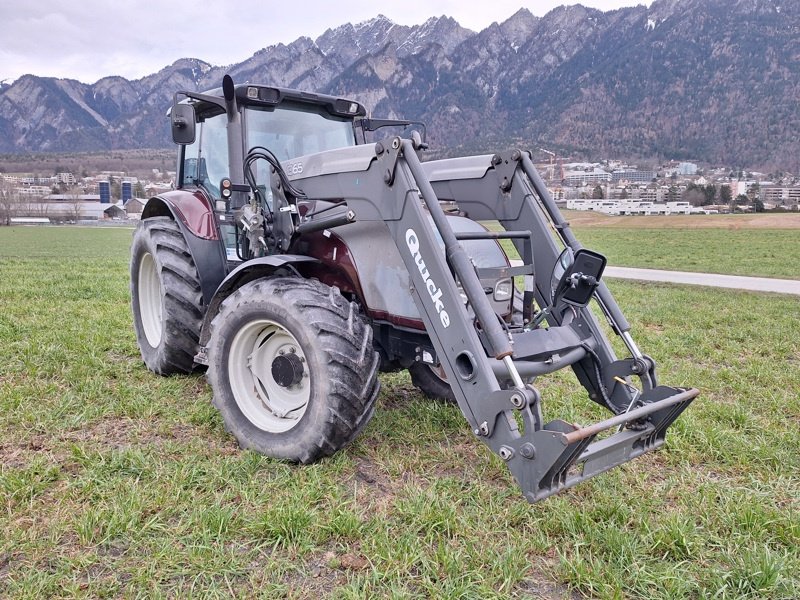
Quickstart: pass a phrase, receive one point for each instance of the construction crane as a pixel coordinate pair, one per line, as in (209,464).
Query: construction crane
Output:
(552,160)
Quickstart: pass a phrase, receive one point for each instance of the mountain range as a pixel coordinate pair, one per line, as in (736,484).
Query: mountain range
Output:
(708,80)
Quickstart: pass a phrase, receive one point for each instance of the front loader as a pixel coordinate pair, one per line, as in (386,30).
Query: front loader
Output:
(309,262)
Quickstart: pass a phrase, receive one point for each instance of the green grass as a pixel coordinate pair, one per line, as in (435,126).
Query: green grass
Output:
(717,248)
(116,482)
(754,252)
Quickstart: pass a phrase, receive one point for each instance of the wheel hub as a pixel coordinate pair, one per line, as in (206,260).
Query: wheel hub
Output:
(287,370)
(268,375)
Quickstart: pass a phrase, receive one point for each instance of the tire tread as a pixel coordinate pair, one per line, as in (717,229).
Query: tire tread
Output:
(182,302)
(344,336)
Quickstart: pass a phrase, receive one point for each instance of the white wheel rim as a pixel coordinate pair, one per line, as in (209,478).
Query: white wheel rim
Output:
(266,404)
(150,300)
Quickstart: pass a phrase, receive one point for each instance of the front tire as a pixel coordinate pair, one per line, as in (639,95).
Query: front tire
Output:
(166,298)
(431,381)
(292,368)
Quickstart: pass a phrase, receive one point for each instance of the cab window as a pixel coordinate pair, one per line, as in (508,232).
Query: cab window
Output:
(205,162)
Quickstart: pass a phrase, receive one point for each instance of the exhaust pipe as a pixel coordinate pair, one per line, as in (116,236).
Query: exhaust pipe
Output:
(235,141)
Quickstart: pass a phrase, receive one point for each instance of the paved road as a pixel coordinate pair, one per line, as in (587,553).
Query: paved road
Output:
(758,284)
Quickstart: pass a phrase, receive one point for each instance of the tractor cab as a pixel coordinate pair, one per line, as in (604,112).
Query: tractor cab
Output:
(223,136)
(237,143)
(287,122)
(290,123)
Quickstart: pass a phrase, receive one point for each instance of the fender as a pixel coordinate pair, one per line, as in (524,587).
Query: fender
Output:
(195,216)
(192,209)
(245,273)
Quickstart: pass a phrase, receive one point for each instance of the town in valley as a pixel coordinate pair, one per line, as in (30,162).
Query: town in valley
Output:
(608,186)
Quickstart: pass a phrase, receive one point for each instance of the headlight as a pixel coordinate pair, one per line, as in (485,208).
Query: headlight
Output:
(503,290)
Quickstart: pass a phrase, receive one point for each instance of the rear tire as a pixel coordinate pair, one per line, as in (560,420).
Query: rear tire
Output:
(166,298)
(431,381)
(292,368)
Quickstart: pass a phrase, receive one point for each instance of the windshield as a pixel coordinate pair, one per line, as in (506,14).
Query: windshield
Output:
(296,130)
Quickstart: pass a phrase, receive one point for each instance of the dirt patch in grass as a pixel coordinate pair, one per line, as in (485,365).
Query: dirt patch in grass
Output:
(373,487)
(400,398)
(539,585)
(9,562)
(122,432)
(324,571)
(110,431)
(19,455)
(117,433)
(367,472)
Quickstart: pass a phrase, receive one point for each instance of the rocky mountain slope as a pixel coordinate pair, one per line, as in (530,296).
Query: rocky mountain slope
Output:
(714,80)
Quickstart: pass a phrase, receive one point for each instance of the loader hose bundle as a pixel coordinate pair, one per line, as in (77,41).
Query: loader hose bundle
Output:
(261,153)
(259,203)
(600,380)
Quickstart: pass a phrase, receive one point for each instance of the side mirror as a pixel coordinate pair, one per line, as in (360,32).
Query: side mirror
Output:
(182,119)
(579,279)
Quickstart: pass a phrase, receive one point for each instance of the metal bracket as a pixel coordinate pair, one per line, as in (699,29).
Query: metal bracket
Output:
(389,151)
(498,402)
(506,165)
(643,368)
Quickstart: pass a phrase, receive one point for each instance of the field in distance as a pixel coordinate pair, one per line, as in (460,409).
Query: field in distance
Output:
(762,245)
(585,218)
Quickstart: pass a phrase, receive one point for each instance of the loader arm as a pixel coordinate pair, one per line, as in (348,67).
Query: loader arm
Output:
(489,366)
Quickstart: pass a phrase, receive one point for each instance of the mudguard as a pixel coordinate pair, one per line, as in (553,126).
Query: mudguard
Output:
(244,273)
(195,215)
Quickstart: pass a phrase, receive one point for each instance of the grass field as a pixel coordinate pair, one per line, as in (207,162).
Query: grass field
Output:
(117,483)
(766,245)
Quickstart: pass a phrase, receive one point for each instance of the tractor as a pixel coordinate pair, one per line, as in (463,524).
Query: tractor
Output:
(301,254)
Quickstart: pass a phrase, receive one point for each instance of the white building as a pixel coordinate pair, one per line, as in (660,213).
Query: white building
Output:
(634,207)
(595,175)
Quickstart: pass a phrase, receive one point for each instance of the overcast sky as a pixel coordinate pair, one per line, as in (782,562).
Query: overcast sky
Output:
(90,39)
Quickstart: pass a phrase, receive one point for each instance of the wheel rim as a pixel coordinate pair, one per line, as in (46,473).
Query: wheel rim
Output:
(439,372)
(267,404)
(150,299)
